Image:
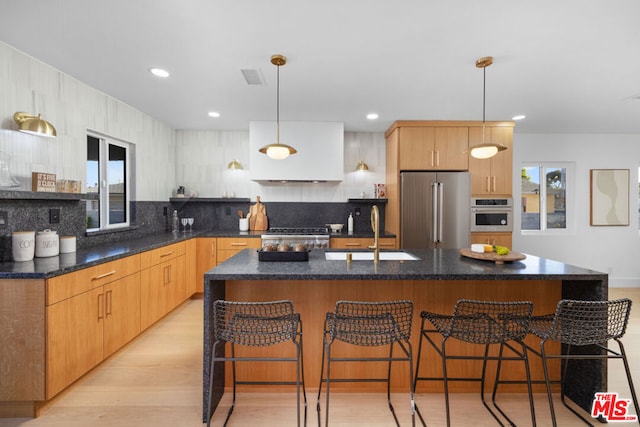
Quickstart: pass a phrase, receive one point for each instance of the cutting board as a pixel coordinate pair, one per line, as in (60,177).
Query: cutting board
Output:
(492,256)
(258,216)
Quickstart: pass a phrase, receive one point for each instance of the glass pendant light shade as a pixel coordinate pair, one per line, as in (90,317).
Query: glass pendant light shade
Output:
(278,151)
(34,125)
(484,151)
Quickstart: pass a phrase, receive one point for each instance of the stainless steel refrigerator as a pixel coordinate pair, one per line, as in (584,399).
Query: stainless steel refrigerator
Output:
(435,209)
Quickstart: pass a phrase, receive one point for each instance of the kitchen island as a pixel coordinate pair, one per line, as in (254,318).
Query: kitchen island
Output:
(434,282)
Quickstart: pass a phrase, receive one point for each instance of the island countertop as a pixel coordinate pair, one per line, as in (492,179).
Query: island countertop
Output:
(434,264)
(434,282)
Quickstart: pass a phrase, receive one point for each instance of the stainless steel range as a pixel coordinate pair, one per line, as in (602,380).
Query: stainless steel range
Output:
(309,237)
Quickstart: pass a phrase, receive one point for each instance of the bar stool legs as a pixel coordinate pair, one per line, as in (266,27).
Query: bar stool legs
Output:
(367,324)
(477,322)
(258,324)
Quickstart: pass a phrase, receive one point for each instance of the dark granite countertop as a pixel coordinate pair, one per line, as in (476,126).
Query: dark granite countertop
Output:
(434,264)
(43,268)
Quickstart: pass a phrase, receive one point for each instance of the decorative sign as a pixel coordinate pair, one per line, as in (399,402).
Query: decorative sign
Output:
(43,182)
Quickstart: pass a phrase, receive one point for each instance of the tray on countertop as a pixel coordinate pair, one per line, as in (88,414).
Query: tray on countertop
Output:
(492,256)
(283,256)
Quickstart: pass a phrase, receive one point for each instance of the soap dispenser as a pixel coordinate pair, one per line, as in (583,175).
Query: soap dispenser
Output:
(350,224)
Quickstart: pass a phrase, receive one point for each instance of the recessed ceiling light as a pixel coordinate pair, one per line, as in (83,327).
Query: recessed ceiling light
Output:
(159,72)
(372,116)
(518,117)
(213,114)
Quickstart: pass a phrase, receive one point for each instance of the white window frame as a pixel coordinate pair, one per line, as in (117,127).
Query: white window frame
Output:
(103,170)
(569,201)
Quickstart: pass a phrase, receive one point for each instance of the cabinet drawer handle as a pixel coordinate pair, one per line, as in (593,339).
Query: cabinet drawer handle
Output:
(488,185)
(387,244)
(353,244)
(102,276)
(493,184)
(166,254)
(238,244)
(437,158)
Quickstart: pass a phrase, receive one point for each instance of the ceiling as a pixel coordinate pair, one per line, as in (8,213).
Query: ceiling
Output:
(571,66)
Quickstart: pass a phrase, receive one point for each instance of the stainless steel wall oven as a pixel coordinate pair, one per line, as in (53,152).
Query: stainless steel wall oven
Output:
(491,214)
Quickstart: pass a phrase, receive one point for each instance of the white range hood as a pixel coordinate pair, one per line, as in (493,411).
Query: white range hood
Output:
(320,155)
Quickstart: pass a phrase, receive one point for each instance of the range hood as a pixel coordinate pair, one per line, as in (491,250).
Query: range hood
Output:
(320,155)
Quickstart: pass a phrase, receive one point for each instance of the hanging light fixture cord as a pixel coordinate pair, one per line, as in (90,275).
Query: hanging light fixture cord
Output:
(278,103)
(484,101)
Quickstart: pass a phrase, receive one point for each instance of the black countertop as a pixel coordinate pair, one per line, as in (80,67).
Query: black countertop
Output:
(434,264)
(43,268)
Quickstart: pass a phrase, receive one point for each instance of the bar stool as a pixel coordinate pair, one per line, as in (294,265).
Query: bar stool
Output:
(257,324)
(478,322)
(368,324)
(578,325)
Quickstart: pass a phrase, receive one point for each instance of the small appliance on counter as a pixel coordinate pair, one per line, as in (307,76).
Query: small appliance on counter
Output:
(309,237)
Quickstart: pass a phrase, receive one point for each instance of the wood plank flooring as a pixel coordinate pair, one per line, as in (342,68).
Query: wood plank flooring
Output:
(157,381)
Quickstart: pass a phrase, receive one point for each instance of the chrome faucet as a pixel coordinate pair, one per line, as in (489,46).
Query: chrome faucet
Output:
(375,224)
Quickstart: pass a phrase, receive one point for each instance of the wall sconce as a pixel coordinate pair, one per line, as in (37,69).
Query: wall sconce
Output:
(34,125)
(234,165)
(362,166)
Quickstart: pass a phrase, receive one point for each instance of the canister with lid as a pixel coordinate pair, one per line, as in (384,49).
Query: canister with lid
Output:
(47,243)
(23,245)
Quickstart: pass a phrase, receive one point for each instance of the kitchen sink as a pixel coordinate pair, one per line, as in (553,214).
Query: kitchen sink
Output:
(368,256)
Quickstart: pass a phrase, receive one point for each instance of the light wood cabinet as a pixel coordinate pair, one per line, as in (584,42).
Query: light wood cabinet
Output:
(90,314)
(162,282)
(192,281)
(360,242)
(493,176)
(229,246)
(433,148)
(206,259)
(501,239)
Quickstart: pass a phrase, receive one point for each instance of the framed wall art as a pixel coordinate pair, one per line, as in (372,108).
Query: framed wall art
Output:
(609,197)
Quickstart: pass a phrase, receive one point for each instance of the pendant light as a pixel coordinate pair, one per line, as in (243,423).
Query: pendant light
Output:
(278,151)
(486,149)
(34,125)
(362,166)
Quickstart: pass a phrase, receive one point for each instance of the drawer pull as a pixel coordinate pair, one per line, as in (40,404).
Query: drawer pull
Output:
(238,244)
(102,276)
(353,244)
(166,254)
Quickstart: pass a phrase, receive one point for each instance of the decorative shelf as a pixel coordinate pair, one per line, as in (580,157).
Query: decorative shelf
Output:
(210,200)
(368,201)
(34,195)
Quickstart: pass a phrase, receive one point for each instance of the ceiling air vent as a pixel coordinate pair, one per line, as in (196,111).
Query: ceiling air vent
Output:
(252,77)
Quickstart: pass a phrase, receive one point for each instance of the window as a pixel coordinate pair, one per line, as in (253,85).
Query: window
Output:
(108,168)
(544,189)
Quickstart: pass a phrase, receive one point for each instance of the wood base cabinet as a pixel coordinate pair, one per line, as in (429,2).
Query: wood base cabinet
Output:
(206,259)
(229,246)
(90,314)
(361,242)
(162,282)
(501,239)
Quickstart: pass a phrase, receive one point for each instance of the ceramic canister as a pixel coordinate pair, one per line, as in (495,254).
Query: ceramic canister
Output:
(23,245)
(47,243)
(67,244)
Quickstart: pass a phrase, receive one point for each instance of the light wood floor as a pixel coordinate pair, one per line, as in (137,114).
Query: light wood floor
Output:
(157,381)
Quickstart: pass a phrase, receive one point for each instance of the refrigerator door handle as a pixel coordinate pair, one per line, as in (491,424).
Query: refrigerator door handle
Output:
(435,220)
(440,211)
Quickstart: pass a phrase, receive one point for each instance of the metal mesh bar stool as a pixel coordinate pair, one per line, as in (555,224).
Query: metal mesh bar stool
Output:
(478,322)
(577,325)
(368,324)
(257,324)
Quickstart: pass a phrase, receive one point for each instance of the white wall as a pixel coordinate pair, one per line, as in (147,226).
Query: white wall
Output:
(613,250)
(202,158)
(32,86)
